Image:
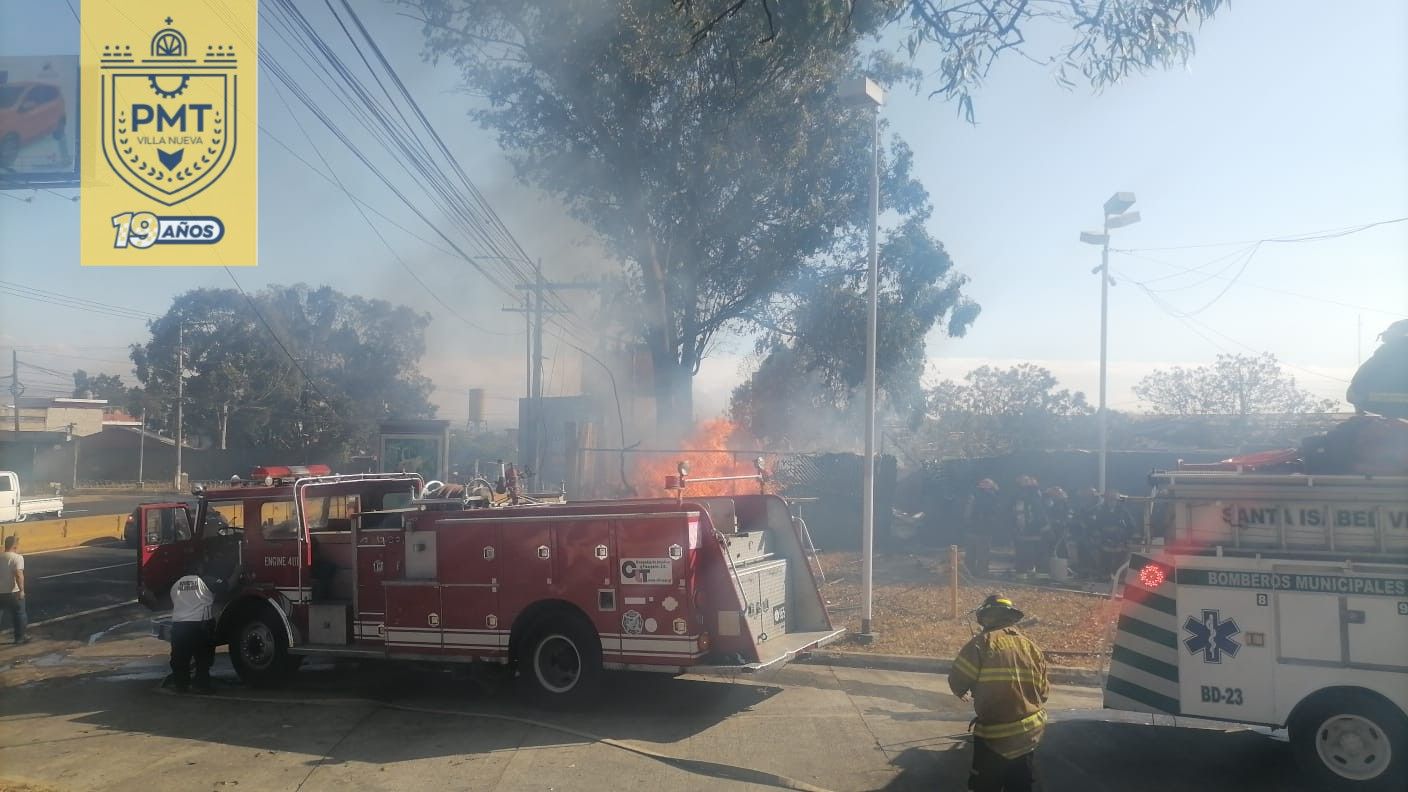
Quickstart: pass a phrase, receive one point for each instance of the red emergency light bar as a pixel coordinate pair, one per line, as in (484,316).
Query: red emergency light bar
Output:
(279,472)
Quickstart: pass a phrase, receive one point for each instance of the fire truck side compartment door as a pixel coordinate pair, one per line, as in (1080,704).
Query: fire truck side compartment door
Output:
(1222,672)
(469,588)
(1378,631)
(420,555)
(525,570)
(168,546)
(413,616)
(1307,627)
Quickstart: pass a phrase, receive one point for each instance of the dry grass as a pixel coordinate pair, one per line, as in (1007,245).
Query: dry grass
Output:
(913,613)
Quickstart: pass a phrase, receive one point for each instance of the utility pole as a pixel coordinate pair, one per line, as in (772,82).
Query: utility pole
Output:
(142,448)
(537,450)
(16,388)
(76,444)
(180,397)
(534,311)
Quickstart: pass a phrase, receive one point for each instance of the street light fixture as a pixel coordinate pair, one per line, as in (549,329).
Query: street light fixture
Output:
(865,92)
(1116,216)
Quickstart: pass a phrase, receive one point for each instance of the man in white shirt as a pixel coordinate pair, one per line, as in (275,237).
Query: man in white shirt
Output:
(192,632)
(12,587)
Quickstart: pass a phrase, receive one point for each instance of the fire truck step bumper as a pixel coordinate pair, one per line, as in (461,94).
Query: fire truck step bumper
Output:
(775,653)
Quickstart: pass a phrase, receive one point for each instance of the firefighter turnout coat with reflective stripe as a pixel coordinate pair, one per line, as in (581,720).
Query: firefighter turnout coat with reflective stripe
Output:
(1007,675)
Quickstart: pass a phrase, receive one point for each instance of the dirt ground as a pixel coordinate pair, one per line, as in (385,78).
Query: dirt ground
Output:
(913,614)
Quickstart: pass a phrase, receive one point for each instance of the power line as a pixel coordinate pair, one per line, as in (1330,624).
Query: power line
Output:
(1187,270)
(255,307)
(69,301)
(1193,325)
(433,295)
(476,216)
(1309,236)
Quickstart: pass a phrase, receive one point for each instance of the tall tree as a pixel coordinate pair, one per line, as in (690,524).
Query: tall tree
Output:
(345,363)
(1238,385)
(958,41)
(1001,410)
(100,386)
(718,171)
(807,384)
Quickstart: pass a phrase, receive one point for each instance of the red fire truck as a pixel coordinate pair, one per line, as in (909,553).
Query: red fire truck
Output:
(388,566)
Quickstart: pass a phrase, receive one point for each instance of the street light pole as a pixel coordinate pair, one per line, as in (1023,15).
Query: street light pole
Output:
(1102,417)
(1115,216)
(870,94)
(871,326)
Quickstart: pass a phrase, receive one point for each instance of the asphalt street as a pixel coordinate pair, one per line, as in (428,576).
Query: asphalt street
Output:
(89,715)
(90,505)
(65,582)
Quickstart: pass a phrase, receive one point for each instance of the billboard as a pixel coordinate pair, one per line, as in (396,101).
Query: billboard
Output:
(38,121)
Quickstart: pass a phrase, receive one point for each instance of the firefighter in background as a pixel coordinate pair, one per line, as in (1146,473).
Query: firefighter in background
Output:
(1059,516)
(1114,530)
(1380,386)
(1084,533)
(1029,523)
(1006,674)
(981,519)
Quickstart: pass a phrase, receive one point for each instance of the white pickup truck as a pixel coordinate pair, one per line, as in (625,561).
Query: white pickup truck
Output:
(14,508)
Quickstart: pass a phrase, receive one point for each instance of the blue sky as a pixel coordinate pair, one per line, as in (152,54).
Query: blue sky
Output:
(1283,124)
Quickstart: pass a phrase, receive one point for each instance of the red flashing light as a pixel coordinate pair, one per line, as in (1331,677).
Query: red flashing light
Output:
(289,471)
(1153,575)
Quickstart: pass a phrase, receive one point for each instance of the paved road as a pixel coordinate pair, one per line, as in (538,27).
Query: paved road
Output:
(63,582)
(87,505)
(91,718)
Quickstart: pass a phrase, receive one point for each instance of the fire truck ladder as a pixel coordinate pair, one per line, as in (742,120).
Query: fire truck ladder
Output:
(812,556)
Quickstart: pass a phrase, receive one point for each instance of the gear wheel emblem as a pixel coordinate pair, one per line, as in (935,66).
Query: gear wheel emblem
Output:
(168,93)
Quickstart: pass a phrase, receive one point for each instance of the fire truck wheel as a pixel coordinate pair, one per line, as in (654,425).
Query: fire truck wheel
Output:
(1350,739)
(259,651)
(561,660)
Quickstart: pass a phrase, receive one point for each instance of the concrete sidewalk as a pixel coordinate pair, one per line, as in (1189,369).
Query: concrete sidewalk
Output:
(79,717)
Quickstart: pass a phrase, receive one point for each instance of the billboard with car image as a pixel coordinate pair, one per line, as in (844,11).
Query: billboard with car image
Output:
(38,121)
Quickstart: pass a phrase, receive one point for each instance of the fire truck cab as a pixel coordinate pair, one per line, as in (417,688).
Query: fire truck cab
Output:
(373,566)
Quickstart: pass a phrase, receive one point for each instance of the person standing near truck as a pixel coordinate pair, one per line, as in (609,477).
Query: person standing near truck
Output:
(192,632)
(12,587)
(1006,674)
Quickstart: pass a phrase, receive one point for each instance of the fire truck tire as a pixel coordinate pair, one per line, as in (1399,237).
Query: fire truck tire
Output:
(259,651)
(560,660)
(1351,740)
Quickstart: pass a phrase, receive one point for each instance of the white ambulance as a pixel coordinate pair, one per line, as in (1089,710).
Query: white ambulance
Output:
(1279,600)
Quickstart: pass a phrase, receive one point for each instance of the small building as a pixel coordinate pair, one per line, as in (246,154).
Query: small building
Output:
(47,427)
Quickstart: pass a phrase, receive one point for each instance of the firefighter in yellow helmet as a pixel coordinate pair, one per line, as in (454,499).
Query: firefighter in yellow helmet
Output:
(1006,673)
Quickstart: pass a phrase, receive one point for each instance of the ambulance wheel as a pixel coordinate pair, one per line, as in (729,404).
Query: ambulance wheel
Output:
(259,651)
(560,660)
(1351,739)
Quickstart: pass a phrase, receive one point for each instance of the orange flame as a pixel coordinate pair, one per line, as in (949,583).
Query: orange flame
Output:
(708,455)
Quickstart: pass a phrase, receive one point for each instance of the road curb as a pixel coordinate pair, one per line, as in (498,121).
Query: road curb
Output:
(1061,675)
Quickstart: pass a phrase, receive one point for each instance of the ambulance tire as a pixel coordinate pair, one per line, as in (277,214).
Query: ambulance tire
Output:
(259,650)
(559,663)
(1351,726)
